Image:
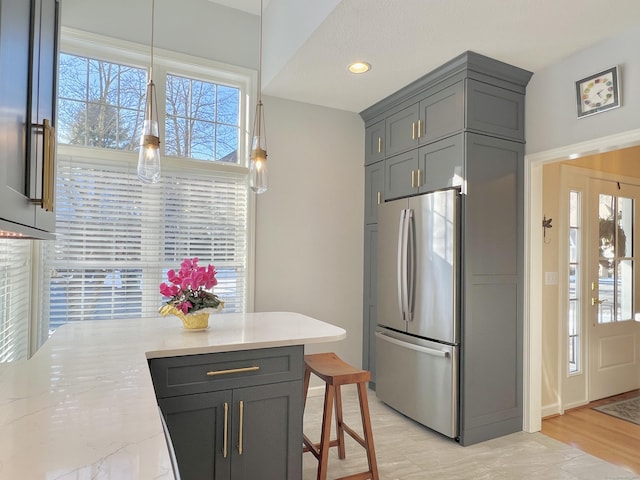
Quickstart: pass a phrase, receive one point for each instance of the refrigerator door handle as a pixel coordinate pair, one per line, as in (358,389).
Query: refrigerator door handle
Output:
(399,263)
(410,263)
(411,346)
(405,265)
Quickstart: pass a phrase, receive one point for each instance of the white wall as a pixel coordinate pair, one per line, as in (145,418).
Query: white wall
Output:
(196,27)
(309,225)
(551,115)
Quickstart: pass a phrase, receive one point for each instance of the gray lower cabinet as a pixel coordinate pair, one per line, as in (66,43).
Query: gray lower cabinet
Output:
(234,415)
(369,300)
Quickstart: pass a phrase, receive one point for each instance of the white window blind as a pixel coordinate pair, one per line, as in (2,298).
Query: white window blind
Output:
(15,297)
(117,238)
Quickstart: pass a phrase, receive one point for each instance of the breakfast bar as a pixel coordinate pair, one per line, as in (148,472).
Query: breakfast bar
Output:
(84,405)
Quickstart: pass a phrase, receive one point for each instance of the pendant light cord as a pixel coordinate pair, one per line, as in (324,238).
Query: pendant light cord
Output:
(153,16)
(259,113)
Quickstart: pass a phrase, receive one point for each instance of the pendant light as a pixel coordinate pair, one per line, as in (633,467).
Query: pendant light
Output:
(149,156)
(258,156)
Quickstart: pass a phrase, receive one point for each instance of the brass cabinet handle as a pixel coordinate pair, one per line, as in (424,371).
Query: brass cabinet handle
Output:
(241,421)
(379,144)
(226,430)
(419,128)
(213,373)
(379,198)
(413,130)
(413,179)
(419,177)
(48,165)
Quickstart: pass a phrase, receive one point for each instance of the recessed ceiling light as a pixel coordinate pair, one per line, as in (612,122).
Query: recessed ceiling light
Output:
(359,67)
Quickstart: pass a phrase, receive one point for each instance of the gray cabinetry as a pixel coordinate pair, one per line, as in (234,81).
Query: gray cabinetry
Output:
(462,126)
(441,164)
(374,143)
(28,50)
(442,113)
(402,129)
(234,415)
(374,191)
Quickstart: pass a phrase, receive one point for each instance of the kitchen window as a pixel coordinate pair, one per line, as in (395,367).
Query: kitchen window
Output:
(116,237)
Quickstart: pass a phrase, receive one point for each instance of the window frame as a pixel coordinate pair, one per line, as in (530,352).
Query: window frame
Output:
(108,49)
(165,62)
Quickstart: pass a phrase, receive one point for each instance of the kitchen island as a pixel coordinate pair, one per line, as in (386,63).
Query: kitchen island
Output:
(84,406)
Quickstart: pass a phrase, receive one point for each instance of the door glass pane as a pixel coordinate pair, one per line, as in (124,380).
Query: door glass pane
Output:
(615,269)
(624,290)
(573,313)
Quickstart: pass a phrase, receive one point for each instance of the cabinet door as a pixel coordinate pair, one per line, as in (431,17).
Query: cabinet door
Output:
(43,100)
(373,191)
(442,113)
(196,424)
(369,299)
(14,91)
(495,111)
(374,143)
(441,164)
(401,175)
(267,432)
(402,130)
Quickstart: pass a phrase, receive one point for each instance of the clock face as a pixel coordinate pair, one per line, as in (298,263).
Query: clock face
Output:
(597,92)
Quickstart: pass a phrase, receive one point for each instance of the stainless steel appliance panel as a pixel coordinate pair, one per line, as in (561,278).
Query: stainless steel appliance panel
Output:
(434,255)
(419,378)
(389,292)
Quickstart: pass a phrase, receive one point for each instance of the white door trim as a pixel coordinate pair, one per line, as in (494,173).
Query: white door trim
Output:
(532,335)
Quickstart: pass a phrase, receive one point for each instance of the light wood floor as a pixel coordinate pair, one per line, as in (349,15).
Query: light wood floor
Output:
(598,434)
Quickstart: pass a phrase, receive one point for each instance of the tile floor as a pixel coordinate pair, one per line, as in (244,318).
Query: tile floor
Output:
(408,451)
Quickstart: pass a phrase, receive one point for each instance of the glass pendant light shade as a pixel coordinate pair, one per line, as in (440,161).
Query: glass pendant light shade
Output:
(149,156)
(258,157)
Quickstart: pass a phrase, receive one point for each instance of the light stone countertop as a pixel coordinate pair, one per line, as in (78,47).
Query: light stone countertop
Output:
(84,406)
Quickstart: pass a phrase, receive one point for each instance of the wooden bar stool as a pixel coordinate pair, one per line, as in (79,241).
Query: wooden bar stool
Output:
(335,373)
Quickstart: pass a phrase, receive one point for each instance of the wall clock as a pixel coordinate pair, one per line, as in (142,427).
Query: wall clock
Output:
(599,92)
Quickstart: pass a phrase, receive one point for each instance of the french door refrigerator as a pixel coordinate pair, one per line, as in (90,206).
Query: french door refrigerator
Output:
(418,332)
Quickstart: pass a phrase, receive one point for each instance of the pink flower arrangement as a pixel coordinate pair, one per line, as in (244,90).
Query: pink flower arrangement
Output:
(189,287)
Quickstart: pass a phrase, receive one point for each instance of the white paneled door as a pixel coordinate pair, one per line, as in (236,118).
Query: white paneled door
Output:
(613,287)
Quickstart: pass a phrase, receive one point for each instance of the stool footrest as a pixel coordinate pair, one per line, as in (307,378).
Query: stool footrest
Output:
(353,434)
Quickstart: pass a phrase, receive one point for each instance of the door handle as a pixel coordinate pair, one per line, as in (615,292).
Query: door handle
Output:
(241,424)
(225,437)
(595,301)
(411,346)
(48,165)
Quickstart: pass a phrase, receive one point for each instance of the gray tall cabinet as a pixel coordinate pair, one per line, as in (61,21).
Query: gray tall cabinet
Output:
(462,125)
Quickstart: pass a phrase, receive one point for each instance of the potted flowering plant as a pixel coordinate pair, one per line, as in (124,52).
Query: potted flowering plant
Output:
(190,295)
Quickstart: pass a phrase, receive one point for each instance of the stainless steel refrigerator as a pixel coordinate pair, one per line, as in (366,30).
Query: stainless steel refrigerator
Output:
(418,332)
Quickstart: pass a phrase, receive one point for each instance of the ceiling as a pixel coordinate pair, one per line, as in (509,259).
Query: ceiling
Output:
(405,39)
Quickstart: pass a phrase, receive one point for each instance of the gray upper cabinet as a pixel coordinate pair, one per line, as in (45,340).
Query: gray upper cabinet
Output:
(402,129)
(462,126)
(495,111)
(374,143)
(28,49)
(442,113)
(373,191)
(401,175)
(441,164)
